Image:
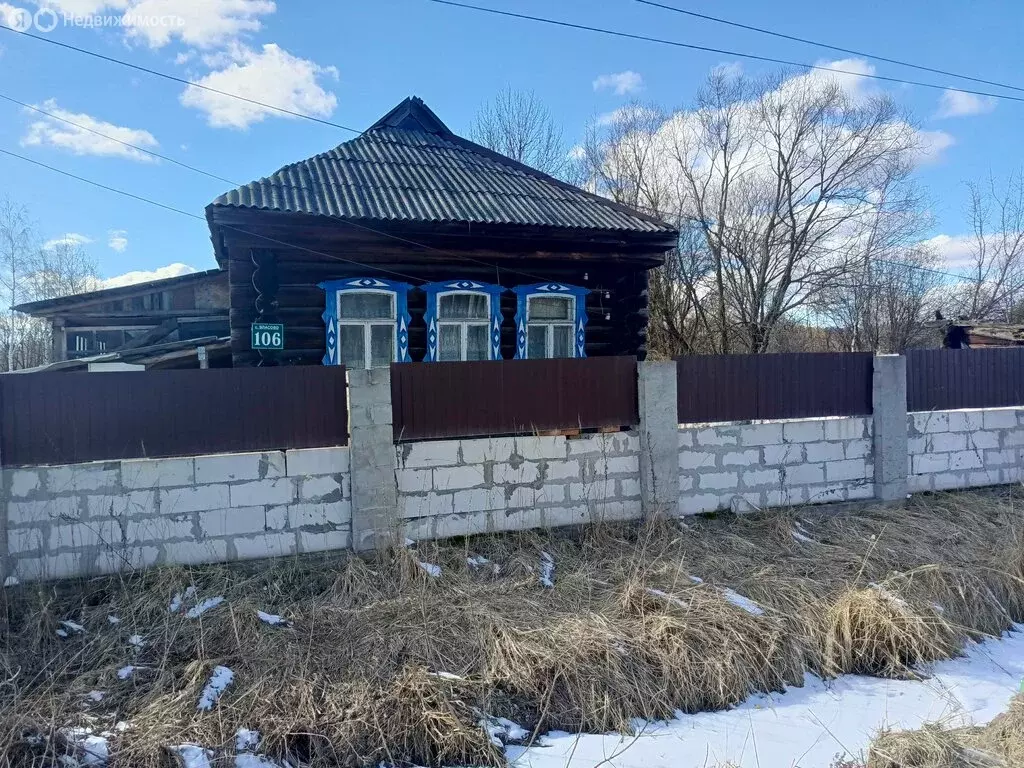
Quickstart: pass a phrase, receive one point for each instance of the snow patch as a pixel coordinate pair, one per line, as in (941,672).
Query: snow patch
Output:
(248,760)
(477,561)
(432,570)
(192,756)
(113,620)
(179,599)
(95,695)
(219,680)
(445,675)
(125,672)
(199,609)
(547,570)
(696,579)
(137,641)
(246,739)
(743,602)
(94,748)
(500,731)
(666,596)
(273,620)
(72,627)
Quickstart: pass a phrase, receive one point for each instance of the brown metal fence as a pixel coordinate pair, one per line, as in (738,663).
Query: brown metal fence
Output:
(940,379)
(437,400)
(752,387)
(63,418)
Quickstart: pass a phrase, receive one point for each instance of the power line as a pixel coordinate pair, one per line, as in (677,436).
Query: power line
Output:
(818,44)
(181,80)
(720,51)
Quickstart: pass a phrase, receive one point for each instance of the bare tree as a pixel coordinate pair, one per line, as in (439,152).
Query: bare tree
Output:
(17,251)
(518,125)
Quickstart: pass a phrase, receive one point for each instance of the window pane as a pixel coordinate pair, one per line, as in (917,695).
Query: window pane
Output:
(352,350)
(365,306)
(382,345)
(449,343)
(550,308)
(536,342)
(464,306)
(476,342)
(561,341)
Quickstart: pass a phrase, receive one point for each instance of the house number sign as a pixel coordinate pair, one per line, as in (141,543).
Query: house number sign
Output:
(268,336)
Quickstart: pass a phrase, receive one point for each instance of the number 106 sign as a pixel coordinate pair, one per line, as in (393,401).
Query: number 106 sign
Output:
(267,336)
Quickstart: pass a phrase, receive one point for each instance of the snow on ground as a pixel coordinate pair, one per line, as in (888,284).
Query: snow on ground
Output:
(547,570)
(740,601)
(220,679)
(273,619)
(199,609)
(179,599)
(431,569)
(803,727)
(125,672)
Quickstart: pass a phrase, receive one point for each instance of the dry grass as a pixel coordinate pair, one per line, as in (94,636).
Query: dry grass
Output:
(998,745)
(625,633)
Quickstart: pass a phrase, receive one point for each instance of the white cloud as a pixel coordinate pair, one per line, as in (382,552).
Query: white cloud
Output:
(730,70)
(83,7)
(202,23)
(117,240)
(622,114)
(133,278)
(70,239)
(622,83)
(955,250)
(49,132)
(272,76)
(960,104)
(931,146)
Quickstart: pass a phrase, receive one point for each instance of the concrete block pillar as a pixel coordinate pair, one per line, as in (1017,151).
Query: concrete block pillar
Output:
(375,521)
(659,437)
(889,397)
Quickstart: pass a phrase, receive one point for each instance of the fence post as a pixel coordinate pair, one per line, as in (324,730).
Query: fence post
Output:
(889,401)
(372,452)
(659,437)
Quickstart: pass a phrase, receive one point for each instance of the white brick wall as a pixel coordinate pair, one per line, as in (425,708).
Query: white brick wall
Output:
(964,449)
(461,487)
(745,467)
(106,516)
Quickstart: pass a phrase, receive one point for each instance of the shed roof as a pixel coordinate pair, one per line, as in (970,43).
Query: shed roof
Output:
(410,167)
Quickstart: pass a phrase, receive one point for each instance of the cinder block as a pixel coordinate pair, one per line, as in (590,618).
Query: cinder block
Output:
(697,459)
(825,451)
(59,566)
(175,501)
(554,517)
(686,438)
(804,474)
(783,454)
(916,445)
(478,500)
(695,504)
(276,518)
(748,458)
(487,449)
(629,488)
(982,440)
(521,496)
(717,436)
(928,422)
(846,428)
(507,474)
(97,476)
(965,421)
(983,478)
(24,540)
(264,545)
(427,505)
(827,494)
(744,503)
(452,525)
(756,477)
(803,431)
(228,467)
(435,453)
(1012,474)
(946,481)
(617,465)
(56,508)
(761,434)
(785,497)
(232,522)
(455,478)
(122,505)
(321,488)
(718,480)
(302,462)
(21,482)
(1013,438)
(853,469)
(85,535)
(598,490)
(919,483)
(514,520)
(319,515)
(125,559)
(195,552)
(257,492)
(1001,458)
(926,463)
(157,473)
(1000,418)
(324,542)
(965,460)
(860,491)
(613,511)
(158,530)
(860,449)
(414,480)
(944,442)
(564,470)
(540,447)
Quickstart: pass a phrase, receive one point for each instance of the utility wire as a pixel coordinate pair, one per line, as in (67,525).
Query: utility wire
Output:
(818,44)
(176,79)
(720,51)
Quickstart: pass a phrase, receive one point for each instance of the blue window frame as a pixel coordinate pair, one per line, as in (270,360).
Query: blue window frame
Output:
(463,320)
(366,321)
(551,320)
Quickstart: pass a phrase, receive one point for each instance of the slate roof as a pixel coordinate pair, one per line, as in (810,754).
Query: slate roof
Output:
(409,167)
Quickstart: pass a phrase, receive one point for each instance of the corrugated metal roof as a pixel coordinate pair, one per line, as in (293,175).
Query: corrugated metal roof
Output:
(410,167)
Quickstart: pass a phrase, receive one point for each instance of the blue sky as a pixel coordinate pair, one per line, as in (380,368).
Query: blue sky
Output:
(352,61)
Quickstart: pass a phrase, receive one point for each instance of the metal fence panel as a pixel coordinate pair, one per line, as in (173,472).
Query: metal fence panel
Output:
(64,418)
(781,386)
(506,397)
(945,379)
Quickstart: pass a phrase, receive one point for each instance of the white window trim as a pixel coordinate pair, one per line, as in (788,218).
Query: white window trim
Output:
(549,340)
(463,324)
(368,323)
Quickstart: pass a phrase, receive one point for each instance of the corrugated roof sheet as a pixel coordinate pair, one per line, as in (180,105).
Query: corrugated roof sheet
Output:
(410,167)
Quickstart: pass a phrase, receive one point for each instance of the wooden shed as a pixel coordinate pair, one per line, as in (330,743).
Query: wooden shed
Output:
(410,243)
